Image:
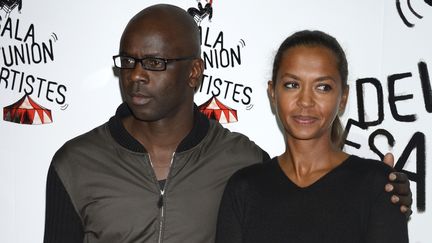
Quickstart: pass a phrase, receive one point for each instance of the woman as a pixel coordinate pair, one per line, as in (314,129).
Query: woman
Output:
(313,192)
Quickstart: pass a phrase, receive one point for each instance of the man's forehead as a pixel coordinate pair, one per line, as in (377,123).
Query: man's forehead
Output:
(163,16)
(162,29)
(150,42)
(148,27)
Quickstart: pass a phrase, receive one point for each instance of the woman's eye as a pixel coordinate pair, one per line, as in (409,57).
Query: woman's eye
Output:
(324,87)
(291,85)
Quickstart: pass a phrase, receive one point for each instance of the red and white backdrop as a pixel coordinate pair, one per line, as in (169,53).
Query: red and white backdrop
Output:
(57,81)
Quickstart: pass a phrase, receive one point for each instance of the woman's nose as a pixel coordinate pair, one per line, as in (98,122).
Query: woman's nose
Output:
(305,98)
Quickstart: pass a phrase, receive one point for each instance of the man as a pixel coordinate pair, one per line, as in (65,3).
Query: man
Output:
(156,170)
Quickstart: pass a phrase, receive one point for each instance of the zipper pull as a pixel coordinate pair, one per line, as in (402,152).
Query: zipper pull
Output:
(160,201)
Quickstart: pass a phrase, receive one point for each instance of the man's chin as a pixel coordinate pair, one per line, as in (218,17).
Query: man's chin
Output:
(145,116)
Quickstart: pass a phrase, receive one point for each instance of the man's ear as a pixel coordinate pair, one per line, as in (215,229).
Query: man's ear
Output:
(196,73)
(271,91)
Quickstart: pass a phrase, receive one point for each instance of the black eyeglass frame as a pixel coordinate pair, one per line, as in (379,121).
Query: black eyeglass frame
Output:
(140,60)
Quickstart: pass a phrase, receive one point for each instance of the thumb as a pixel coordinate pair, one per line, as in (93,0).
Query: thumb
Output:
(389,159)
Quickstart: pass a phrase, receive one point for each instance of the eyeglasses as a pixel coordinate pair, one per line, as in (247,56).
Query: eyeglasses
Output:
(148,63)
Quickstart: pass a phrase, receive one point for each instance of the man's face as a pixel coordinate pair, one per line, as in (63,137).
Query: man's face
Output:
(156,95)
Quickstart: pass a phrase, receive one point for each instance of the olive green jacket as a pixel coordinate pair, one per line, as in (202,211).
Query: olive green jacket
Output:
(111,184)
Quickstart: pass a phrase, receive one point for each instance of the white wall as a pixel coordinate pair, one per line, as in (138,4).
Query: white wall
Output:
(85,34)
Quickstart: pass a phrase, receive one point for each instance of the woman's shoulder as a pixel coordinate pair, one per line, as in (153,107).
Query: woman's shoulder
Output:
(259,168)
(369,168)
(369,164)
(255,172)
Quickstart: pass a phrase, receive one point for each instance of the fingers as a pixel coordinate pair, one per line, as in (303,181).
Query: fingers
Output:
(404,202)
(389,159)
(399,186)
(394,199)
(405,210)
(389,187)
(398,177)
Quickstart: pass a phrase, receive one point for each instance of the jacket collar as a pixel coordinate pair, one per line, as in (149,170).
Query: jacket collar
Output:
(126,140)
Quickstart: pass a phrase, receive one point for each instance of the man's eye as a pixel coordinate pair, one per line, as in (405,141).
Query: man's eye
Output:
(156,63)
(127,61)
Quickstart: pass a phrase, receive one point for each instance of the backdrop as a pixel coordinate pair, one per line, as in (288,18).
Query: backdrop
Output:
(57,81)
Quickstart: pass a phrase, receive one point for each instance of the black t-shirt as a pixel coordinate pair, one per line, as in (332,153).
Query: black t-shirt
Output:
(348,204)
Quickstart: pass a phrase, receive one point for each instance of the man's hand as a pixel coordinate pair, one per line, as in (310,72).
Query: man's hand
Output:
(399,185)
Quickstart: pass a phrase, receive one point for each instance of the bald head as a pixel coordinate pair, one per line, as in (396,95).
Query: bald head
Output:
(174,24)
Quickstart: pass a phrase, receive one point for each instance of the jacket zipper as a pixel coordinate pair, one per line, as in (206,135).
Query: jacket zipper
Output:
(160,202)
(161,208)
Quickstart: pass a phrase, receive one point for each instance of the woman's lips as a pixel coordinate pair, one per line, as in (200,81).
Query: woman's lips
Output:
(305,119)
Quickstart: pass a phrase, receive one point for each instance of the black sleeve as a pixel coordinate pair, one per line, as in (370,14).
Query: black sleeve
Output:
(386,223)
(266,156)
(62,223)
(229,226)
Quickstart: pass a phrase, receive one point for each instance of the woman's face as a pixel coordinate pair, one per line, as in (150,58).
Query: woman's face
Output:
(308,93)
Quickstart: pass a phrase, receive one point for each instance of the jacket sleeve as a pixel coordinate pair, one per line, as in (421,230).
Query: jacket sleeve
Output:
(265,156)
(229,224)
(386,223)
(62,223)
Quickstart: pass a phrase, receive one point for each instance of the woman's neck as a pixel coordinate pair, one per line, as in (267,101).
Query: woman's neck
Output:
(305,161)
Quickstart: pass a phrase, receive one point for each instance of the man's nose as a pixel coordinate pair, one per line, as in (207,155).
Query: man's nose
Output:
(138,73)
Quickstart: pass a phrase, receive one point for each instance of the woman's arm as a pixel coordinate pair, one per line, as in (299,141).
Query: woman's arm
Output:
(386,223)
(229,227)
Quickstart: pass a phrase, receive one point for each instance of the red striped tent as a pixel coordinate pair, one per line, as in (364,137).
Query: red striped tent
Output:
(214,109)
(26,111)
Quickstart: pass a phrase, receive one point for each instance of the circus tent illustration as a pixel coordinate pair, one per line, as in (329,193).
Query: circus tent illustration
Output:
(27,111)
(214,109)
